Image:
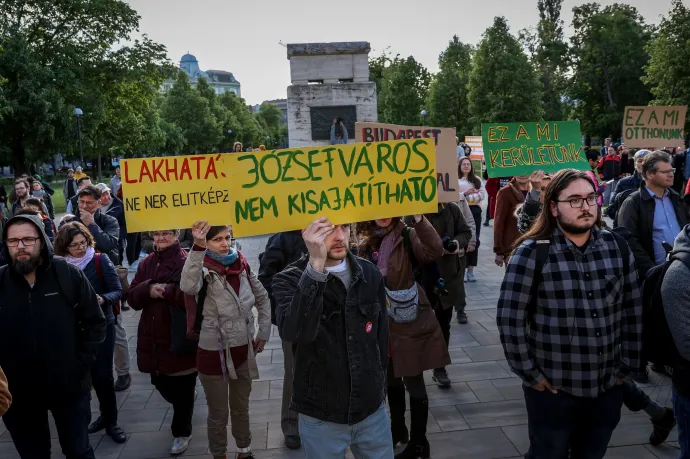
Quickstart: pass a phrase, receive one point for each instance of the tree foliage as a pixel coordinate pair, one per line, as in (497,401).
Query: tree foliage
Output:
(608,53)
(447,99)
(404,91)
(667,73)
(59,55)
(503,85)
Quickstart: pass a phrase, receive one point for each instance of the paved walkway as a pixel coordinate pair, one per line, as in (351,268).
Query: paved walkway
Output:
(481,416)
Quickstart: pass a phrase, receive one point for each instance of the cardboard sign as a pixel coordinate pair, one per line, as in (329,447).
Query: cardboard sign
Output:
(512,149)
(654,127)
(282,190)
(444,140)
(477,153)
(475,142)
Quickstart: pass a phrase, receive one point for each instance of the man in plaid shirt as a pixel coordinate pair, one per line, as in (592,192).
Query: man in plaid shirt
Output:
(571,329)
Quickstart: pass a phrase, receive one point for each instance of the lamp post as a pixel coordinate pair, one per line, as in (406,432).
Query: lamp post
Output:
(424,114)
(78,113)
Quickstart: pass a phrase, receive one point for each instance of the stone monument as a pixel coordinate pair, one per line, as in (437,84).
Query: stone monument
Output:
(329,80)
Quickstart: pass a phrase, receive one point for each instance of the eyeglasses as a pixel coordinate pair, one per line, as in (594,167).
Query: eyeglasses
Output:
(668,172)
(577,203)
(163,235)
(26,241)
(78,245)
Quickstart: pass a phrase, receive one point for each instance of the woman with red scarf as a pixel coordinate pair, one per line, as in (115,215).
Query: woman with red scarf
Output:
(220,285)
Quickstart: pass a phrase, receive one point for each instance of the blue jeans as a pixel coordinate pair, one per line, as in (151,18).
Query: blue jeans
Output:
(681,409)
(369,439)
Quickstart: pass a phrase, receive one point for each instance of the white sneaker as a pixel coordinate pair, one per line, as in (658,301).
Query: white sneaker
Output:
(180,445)
(471,277)
(465,279)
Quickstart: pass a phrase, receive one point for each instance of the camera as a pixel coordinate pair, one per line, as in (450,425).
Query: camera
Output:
(450,245)
(439,288)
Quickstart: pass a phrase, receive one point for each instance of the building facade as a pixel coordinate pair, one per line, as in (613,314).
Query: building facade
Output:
(220,80)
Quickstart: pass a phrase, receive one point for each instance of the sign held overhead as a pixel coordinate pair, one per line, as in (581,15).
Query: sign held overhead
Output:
(654,127)
(512,149)
(282,190)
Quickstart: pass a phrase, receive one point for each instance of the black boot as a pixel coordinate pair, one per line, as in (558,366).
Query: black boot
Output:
(418,447)
(396,403)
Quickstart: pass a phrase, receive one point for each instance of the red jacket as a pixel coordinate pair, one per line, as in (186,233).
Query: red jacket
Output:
(153,345)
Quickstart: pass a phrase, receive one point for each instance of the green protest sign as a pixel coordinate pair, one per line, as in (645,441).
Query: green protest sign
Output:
(521,148)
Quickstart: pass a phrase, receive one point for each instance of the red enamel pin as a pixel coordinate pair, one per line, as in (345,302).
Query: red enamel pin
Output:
(368,327)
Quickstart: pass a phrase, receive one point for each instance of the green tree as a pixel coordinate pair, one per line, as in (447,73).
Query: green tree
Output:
(59,55)
(245,127)
(270,116)
(609,57)
(503,85)
(551,58)
(404,91)
(377,67)
(447,99)
(667,73)
(191,112)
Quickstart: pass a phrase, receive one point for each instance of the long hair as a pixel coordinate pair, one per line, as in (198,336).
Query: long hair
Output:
(546,223)
(473,179)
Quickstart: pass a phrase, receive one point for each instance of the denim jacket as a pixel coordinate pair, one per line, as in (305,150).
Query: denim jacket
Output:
(340,340)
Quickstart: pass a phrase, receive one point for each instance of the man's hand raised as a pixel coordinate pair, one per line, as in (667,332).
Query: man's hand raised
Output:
(314,238)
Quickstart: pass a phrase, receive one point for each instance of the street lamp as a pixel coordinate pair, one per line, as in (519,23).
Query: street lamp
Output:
(78,113)
(424,114)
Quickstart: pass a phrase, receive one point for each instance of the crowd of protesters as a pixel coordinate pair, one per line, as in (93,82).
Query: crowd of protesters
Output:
(362,310)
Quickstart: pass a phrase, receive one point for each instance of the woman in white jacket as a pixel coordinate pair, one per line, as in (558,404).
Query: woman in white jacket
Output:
(220,286)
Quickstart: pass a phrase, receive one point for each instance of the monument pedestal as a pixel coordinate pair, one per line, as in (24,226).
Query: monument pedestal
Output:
(329,80)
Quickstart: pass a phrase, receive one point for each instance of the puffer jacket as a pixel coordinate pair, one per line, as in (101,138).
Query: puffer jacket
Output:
(154,334)
(226,315)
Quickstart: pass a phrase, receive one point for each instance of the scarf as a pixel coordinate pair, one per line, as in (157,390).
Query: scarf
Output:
(225,260)
(385,251)
(83,261)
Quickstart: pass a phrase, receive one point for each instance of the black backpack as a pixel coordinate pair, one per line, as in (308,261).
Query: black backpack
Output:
(616,207)
(659,346)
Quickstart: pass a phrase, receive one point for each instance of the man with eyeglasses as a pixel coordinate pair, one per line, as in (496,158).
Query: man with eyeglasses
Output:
(654,214)
(569,317)
(72,205)
(50,328)
(104,228)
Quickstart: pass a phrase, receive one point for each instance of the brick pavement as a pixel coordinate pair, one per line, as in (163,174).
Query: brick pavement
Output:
(481,416)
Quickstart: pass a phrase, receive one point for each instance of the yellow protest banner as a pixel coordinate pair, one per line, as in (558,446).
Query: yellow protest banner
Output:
(282,190)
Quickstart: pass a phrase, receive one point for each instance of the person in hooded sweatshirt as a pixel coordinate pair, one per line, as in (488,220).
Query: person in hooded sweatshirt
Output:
(50,329)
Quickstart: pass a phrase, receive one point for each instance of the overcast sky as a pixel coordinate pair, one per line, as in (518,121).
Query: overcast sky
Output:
(243,37)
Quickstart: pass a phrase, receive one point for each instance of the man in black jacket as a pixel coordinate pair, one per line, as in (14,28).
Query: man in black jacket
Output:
(113,206)
(654,214)
(50,329)
(104,228)
(283,249)
(332,306)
